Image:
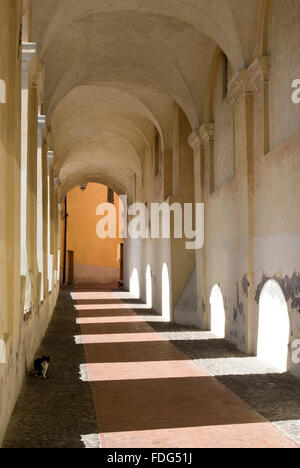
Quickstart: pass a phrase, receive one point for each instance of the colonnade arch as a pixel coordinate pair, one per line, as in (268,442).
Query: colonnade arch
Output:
(217,312)
(273,326)
(149,299)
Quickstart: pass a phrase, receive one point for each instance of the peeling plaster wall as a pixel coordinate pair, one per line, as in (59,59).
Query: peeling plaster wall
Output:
(277,241)
(263,201)
(276,246)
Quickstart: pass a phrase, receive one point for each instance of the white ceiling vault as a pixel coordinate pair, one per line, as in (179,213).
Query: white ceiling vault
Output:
(115,68)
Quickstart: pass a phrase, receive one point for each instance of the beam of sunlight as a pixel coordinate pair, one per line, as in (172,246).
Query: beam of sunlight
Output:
(192,335)
(95,320)
(91,440)
(247,365)
(110,306)
(290,428)
(83,373)
(118,338)
(123,295)
(116,371)
(83,295)
(237,435)
(78,339)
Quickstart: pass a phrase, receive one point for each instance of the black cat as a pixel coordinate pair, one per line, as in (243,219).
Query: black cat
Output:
(41,366)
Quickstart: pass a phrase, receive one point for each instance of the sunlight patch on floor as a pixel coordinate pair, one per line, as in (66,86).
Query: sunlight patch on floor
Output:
(237,366)
(83,373)
(118,338)
(145,370)
(91,441)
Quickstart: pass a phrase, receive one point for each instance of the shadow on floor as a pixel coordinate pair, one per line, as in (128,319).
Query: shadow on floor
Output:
(275,396)
(149,404)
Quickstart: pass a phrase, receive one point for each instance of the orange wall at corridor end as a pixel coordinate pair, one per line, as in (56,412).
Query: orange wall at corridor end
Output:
(95,260)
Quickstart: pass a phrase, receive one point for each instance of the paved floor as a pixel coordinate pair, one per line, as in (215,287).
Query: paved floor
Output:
(118,371)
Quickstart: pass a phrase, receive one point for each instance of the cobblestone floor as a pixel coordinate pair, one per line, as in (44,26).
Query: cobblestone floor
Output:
(57,412)
(60,411)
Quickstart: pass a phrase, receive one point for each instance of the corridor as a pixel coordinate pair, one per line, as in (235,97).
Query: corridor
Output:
(118,370)
(152,144)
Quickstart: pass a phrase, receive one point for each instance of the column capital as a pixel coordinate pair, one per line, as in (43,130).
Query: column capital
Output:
(194,140)
(28,51)
(250,80)
(41,122)
(201,135)
(207,132)
(50,160)
(50,155)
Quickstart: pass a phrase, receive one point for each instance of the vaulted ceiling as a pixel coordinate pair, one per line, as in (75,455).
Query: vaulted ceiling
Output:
(115,68)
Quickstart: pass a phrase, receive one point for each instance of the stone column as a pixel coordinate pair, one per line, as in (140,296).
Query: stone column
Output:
(31,218)
(28,51)
(10,161)
(36,78)
(55,233)
(197,146)
(207,136)
(50,219)
(167,160)
(45,216)
(241,91)
(261,66)
(39,227)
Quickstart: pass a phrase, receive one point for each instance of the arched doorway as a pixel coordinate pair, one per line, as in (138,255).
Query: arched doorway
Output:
(2,352)
(273,326)
(165,285)
(90,236)
(149,287)
(135,284)
(217,312)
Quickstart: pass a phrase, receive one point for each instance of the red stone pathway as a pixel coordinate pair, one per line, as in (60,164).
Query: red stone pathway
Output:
(148,394)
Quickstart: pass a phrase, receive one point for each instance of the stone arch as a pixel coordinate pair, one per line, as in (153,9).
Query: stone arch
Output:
(273,326)
(208,113)
(218,318)
(135,284)
(218,113)
(95,174)
(149,297)
(2,92)
(261,43)
(2,352)
(165,293)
